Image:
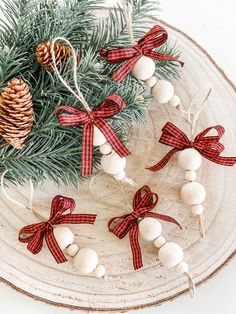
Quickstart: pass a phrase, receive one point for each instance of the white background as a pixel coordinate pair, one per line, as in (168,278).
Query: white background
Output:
(212,23)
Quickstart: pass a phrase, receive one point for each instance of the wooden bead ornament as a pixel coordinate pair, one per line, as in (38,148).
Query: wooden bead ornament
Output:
(98,137)
(86,260)
(163,91)
(114,165)
(59,239)
(96,130)
(190,155)
(143,69)
(64,237)
(139,59)
(149,228)
(147,224)
(171,255)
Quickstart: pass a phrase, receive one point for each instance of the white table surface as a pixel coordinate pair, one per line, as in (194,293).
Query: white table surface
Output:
(212,24)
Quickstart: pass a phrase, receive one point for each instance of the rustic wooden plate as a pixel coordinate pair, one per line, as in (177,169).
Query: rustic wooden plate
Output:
(39,277)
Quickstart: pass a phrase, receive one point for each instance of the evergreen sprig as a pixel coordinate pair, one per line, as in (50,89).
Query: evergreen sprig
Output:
(51,150)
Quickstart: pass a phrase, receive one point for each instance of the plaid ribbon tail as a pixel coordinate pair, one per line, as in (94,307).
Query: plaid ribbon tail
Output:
(163,217)
(77,219)
(162,57)
(161,164)
(135,247)
(220,160)
(125,69)
(87,150)
(111,137)
(54,248)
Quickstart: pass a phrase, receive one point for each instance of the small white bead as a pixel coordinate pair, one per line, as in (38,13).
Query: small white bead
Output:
(163,91)
(86,260)
(175,101)
(170,254)
(72,249)
(193,193)
(151,81)
(190,175)
(105,149)
(98,137)
(197,210)
(189,159)
(159,242)
(113,163)
(143,69)
(149,228)
(182,268)
(100,271)
(64,236)
(120,176)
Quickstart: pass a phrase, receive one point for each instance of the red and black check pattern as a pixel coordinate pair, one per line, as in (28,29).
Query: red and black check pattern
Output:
(208,146)
(144,201)
(108,108)
(156,37)
(35,233)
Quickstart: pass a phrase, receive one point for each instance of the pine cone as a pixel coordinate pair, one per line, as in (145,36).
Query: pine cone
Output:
(16,112)
(44,57)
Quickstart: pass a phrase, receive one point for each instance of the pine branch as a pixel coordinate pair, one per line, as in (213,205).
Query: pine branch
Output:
(51,150)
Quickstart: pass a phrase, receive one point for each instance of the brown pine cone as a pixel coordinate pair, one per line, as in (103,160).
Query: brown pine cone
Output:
(16,112)
(44,57)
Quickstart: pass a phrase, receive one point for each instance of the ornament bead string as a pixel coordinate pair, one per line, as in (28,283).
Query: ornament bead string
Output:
(78,95)
(30,204)
(127,9)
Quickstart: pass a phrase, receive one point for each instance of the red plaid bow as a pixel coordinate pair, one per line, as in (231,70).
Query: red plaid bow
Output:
(144,201)
(156,37)
(208,146)
(35,233)
(108,108)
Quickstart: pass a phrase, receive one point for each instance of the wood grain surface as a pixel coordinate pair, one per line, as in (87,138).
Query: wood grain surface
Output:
(39,276)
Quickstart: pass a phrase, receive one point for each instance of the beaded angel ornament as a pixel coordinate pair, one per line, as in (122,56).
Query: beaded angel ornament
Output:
(59,239)
(96,130)
(191,150)
(146,224)
(138,59)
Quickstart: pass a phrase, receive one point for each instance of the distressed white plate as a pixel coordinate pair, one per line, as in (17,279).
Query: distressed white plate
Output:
(40,277)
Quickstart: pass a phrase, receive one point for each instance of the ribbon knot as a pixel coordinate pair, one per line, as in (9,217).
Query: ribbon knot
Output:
(90,116)
(208,146)
(108,108)
(34,234)
(144,201)
(48,226)
(138,49)
(156,37)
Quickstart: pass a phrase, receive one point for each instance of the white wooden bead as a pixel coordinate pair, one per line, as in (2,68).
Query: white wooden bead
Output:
(86,260)
(163,91)
(98,137)
(159,242)
(175,101)
(189,159)
(193,193)
(100,271)
(197,210)
(120,176)
(113,163)
(105,149)
(170,254)
(72,249)
(182,268)
(64,236)
(151,81)
(190,175)
(149,228)
(143,69)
